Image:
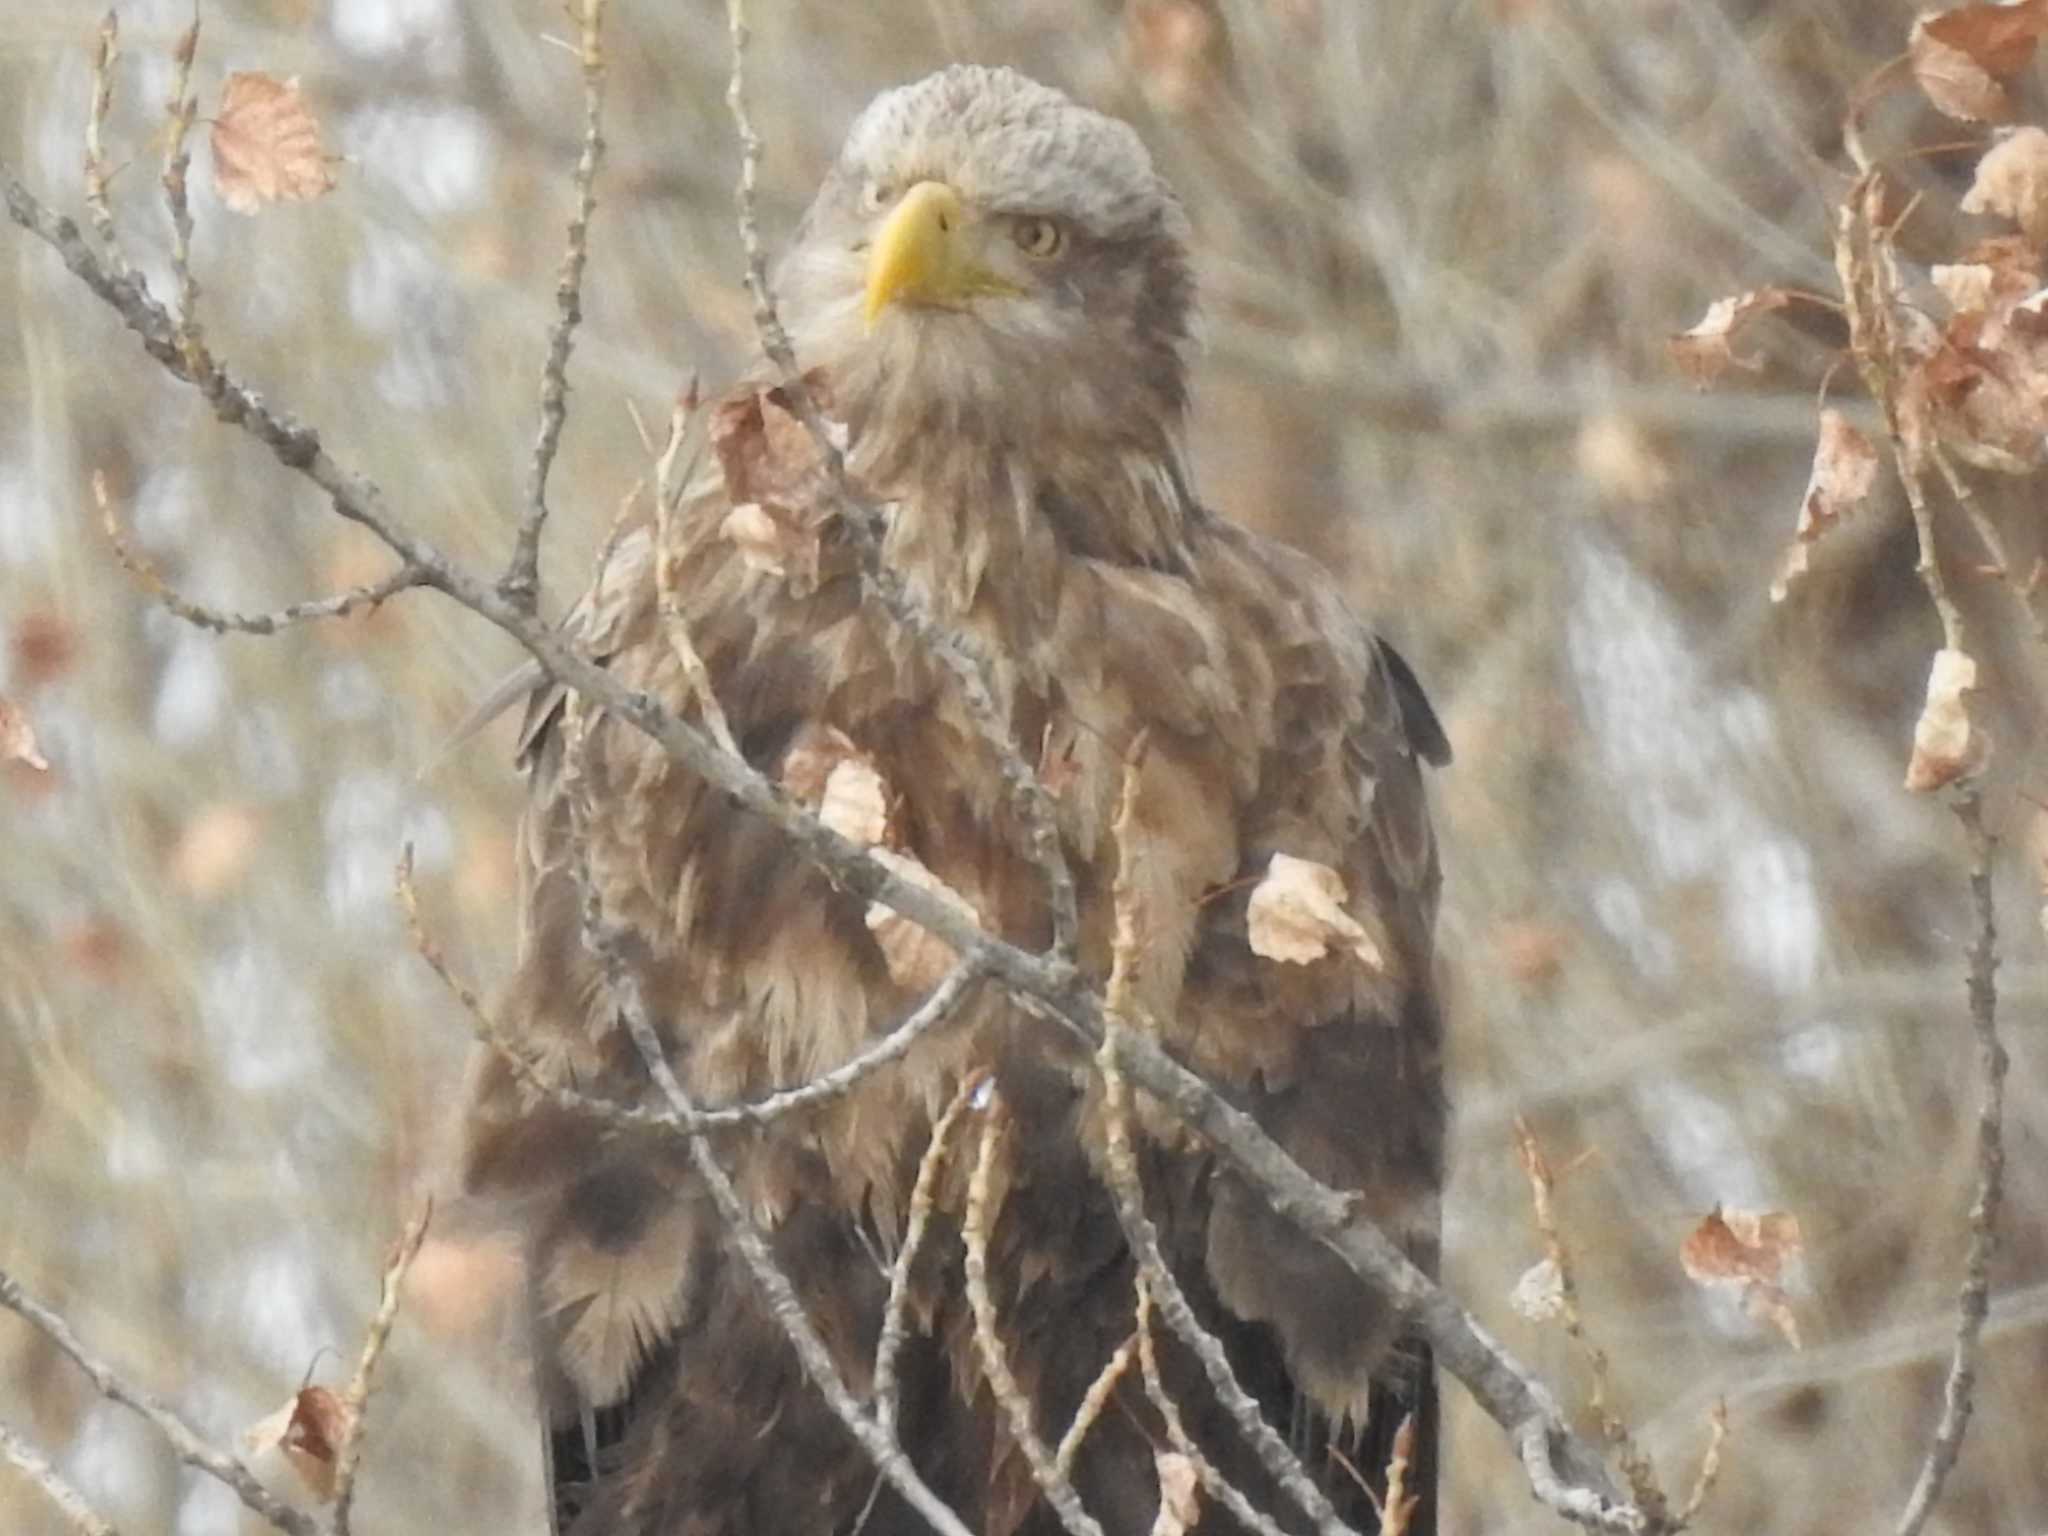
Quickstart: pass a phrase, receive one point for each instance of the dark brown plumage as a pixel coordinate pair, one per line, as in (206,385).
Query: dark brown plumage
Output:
(993,286)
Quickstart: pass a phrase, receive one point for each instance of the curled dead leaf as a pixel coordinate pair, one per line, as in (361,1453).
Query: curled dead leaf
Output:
(1959,57)
(310,1430)
(1297,912)
(1844,472)
(1752,1252)
(18,738)
(2012,182)
(1539,1294)
(775,476)
(1706,352)
(827,772)
(266,144)
(1947,745)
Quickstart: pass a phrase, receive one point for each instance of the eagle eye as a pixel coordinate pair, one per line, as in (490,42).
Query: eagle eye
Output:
(1039,237)
(876,196)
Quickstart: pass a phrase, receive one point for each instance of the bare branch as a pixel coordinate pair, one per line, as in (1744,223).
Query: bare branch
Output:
(988,1340)
(675,623)
(349,1454)
(1974,1299)
(190,1446)
(36,1467)
(1093,1401)
(222,621)
(1710,1464)
(521,581)
(895,1311)
(1219,1487)
(179,112)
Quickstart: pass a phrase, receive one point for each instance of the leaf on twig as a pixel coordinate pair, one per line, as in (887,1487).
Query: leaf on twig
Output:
(1706,352)
(310,1429)
(1947,745)
(2012,182)
(1959,57)
(1751,1252)
(1180,1503)
(1297,912)
(1539,1294)
(1844,471)
(18,738)
(266,144)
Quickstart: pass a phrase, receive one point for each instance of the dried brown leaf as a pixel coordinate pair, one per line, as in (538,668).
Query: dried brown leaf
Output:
(1706,352)
(1947,745)
(1960,56)
(1844,472)
(310,1430)
(1752,1252)
(1297,912)
(266,144)
(18,738)
(2012,182)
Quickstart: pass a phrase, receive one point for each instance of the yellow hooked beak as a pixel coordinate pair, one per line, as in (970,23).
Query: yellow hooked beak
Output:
(921,256)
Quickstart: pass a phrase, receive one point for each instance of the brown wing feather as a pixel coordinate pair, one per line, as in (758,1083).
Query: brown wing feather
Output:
(1275,722)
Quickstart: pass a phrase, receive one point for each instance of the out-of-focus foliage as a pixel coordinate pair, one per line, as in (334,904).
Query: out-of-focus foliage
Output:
(1692,921)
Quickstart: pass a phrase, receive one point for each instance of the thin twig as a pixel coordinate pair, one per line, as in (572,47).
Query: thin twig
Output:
(36,1467)
(349,1454)
(1220,1488)
(1018,1413)
(1635,1466)
(1974,1298)
(106,51)
(179,113)
(1093,1401)
(881,582)
(1399,1506)
(187,1443)
(222,621)
(1710,1464)
(896,1309)
(675,624)
(521,581)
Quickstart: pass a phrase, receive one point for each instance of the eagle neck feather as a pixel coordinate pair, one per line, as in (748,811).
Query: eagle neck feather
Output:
(984,517)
